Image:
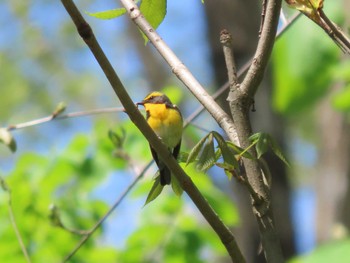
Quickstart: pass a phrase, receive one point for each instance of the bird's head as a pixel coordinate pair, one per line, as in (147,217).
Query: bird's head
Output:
(155,97)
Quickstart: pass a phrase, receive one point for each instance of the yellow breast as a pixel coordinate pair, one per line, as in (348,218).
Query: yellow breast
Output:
(166,122)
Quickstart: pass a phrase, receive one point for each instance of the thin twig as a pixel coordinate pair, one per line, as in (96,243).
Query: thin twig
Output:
(335,33)
(62,117)
(103,219)
(5,187)
(263,14)
(226,41)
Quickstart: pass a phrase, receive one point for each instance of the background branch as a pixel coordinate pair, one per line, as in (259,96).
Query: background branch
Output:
(5,187)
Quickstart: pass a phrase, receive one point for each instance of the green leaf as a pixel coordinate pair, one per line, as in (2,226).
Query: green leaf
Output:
(156,189)
(154,11)
(300,77)
(262,144)
(183,157)
(54,216)
(227,154)
(207,158)
(239,150)
(195,150)
(3,184)
(7,139)
(108,14)
(117,139)
(229,169)
(175,185)
(254,138)
(60,108)
(334,251)
(277,151)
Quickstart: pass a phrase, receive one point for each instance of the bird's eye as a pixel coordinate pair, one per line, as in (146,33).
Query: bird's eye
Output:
(151,97)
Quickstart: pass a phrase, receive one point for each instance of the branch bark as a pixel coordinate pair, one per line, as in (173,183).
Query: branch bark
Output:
(241,99)
(181,71)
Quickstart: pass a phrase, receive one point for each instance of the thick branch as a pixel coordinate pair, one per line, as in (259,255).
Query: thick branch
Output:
(241,98)
(256,71)
(220,228)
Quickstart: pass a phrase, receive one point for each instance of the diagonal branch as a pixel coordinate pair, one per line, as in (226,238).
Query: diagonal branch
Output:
(181,71)
(209,214)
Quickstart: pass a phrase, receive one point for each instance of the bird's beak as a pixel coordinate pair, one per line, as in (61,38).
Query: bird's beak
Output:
(140,103)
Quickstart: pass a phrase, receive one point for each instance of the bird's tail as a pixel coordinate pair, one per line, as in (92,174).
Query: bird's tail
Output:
(165,175)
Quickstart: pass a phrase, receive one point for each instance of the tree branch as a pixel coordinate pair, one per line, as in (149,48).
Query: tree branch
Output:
(256,71)
(62,117)
(181,71)
(240,99)
(5,187)
(219,227)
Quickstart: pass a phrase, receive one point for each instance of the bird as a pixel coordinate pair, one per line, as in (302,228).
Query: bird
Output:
(166,120)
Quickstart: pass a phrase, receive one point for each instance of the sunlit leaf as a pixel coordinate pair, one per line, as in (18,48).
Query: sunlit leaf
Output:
(155,191)
(108,14)
(277,151)
(229,169)
(3,184)
(227,154)
(207,157)
(238,150)
(262,144)
(195,150)
(183,157)
(117,139)
(176,186)
(55,216)
(60,108)
(154,11)
(338,251)
(7,139)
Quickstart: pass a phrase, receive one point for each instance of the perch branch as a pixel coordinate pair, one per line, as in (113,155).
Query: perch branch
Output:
(209,214)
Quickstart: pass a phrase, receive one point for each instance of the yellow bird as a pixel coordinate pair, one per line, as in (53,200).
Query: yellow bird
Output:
(166,121)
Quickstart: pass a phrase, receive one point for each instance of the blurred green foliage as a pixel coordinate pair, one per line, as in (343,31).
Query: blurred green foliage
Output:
(170,229)
(305,60)
(336,251)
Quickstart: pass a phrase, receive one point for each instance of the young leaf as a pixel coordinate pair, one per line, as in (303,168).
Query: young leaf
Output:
(60,108)
(238,150)
(117,139)
(277,151)
(7,139)
(227,154)
(262,144)
(176,186)
(255,137)
(183,157)
(108,14)
(156,189)
(229,169)
(207,157)
(54,216)
(195,150)
(154,11)
(3,185)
